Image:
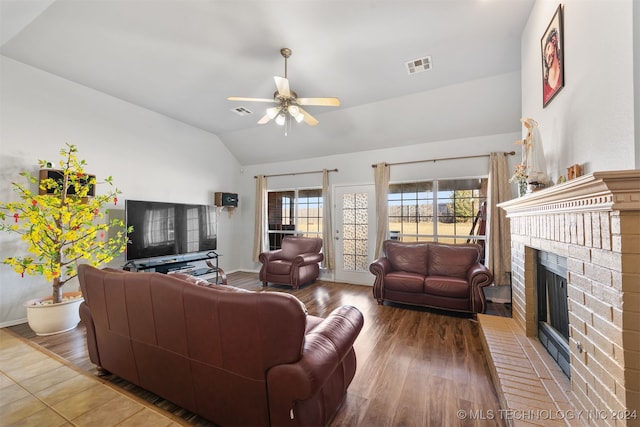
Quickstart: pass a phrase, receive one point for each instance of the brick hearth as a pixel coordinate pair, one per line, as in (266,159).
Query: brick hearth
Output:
(593,221)
(531,387)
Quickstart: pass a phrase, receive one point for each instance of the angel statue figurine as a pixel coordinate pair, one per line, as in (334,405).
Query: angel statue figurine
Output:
(533,154)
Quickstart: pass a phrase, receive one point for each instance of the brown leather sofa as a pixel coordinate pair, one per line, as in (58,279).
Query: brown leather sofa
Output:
(232,356)
(295,264)
(435,275)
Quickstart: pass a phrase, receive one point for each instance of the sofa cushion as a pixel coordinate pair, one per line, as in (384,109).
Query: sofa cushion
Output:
(447,287)
(410,257)
(452,260)
(404,282)
(280,266)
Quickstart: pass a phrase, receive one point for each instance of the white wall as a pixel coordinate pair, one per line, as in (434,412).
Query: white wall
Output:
(150,157)
(591,120)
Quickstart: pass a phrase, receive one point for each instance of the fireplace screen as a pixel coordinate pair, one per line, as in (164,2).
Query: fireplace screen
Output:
(553,311)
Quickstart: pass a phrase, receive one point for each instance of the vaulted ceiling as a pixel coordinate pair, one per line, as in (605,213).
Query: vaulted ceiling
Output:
(183,58)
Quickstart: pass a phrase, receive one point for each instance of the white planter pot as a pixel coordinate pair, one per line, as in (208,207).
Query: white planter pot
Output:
(49,319)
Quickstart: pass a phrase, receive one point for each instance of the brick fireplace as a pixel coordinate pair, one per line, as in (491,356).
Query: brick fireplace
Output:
(594,222)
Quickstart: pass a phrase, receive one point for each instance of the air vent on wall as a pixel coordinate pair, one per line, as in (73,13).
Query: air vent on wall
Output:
(419,65)
(241,111)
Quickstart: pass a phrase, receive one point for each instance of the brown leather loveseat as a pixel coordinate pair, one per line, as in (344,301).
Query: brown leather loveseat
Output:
(233,356)
(439,275)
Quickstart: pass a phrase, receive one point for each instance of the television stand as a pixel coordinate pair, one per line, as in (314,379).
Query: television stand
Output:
(183,268)
(201,271)
(218,275)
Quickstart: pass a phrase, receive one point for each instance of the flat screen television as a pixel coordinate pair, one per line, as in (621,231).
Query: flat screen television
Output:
(162,229)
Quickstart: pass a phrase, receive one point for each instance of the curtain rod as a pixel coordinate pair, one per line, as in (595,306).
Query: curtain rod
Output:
(298,173)
(510,153)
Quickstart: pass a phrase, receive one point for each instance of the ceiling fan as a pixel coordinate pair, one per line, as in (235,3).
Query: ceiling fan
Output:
(288,105)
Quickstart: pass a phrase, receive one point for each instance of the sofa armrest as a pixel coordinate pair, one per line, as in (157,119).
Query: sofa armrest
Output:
(265,257)
(308,259)
(325,347)
(478,277)
(379,268)
(92,343)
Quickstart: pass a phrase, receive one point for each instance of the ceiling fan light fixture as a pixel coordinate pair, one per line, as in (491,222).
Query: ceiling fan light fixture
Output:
(281,119)
(293,110)
(299,117)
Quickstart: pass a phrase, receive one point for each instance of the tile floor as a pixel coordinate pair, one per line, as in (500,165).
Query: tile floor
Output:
(37,389)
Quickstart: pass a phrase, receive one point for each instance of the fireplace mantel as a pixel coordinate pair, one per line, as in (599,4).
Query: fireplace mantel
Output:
(597,191)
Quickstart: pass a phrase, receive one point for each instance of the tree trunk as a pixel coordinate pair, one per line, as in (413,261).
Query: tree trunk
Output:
(57,291)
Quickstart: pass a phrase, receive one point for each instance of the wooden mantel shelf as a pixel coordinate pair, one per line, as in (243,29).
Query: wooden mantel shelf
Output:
(597,191)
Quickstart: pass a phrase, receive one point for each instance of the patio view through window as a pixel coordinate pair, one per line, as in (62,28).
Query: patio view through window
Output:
(294,212)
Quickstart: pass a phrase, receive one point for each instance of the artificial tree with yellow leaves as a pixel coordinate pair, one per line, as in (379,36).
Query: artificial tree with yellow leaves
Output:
(63,226)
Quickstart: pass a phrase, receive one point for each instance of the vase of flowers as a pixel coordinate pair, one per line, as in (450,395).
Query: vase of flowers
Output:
(62,225)
(520,176)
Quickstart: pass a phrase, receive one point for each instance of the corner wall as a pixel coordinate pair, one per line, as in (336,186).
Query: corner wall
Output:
(150,157)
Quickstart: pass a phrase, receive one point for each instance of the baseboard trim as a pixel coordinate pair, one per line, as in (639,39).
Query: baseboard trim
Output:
(13,322)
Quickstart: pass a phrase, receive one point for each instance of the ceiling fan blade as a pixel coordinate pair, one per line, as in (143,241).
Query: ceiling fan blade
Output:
(327,102)
(283,86)
(308,118)
(241,98)
(271,114)
(265,119)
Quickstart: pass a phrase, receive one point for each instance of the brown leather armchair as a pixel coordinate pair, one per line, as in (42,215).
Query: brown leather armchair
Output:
(295,264)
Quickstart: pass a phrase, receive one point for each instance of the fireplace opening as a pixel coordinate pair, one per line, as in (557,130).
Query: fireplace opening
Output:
(553,310)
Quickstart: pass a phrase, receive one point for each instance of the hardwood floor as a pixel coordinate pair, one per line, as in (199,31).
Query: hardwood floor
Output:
(416,367)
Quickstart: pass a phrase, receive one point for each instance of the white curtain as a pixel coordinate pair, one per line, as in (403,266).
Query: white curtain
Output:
(327,225)
(260,232)
(381,176)
(498,230)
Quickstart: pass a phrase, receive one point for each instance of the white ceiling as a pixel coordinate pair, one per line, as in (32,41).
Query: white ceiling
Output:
(183,58)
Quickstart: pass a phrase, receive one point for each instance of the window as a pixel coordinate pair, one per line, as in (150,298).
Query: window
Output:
(438,211)
(411,216)
(294,212)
